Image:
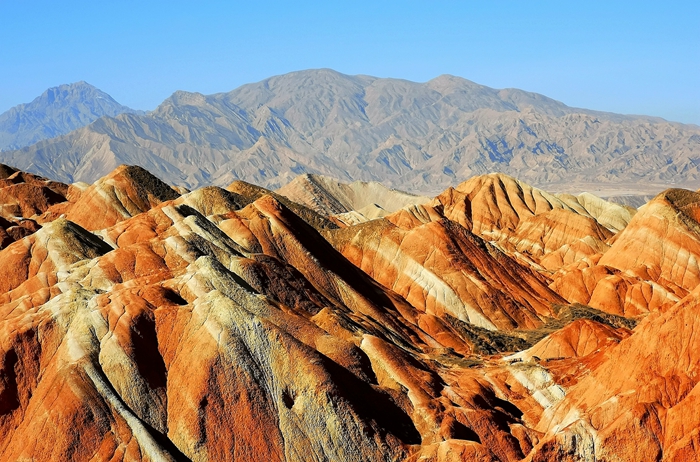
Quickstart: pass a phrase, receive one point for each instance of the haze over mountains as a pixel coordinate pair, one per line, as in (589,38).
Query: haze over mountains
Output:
(420,137)
(57,111)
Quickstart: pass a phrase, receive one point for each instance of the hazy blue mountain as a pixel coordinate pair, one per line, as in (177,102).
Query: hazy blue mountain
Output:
(421,137)
(59,110)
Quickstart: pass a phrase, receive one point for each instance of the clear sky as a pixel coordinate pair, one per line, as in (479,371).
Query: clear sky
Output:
(635,57)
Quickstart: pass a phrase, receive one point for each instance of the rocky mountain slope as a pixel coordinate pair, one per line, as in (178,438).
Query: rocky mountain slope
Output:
(57,111)
(420,137)
(142,321)
(352,203)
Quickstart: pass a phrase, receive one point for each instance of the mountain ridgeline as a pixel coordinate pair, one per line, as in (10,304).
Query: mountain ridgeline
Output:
(421,137)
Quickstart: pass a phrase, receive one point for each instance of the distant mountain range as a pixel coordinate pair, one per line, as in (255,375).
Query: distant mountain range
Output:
(420,137)
(57,111)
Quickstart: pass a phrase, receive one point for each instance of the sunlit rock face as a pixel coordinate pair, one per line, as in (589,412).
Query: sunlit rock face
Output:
(23,199)
(650,265)
(143,321)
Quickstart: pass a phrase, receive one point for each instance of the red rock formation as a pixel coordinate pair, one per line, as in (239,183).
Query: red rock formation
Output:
(441,268)
(638,402)
(23,198)
(126,192)
(223,325)
(580,338)
(651,264)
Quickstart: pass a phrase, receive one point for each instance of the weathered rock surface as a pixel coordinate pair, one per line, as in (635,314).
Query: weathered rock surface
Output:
(638,401)
(442,268)
(145,322)
(23,199)
(651,264)
(580,338)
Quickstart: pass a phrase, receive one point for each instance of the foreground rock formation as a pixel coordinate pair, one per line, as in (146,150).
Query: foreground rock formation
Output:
(142,321)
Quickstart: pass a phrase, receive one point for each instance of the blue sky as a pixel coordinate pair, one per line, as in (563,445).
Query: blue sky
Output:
(629,57)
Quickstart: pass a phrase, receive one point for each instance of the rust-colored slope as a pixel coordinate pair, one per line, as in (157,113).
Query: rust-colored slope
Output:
(126,192)
(638,403)
(261,343)
(579,338)
(42,255)
(23,198)
(252,193)
(651,264)
(671,220)
(222,325)
(559,237)
(441,268)
(260,389)
(539,229)
(498,202)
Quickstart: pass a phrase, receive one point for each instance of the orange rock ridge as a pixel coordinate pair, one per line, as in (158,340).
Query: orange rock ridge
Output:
(145,322)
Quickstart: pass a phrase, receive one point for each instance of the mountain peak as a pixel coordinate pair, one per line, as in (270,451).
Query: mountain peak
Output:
(69,93)
(55,112)
(449,79)
(185,98)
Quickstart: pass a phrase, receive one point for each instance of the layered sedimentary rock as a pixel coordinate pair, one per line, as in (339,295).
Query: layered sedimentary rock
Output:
(23,199)
(146,322)
(444,269)
(638,402)
(651,264)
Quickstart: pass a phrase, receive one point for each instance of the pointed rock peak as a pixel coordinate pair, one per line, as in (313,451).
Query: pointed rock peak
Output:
(495,184)
(248,190)
(682,199)
(491,177)
(126,192)
(6,171)
(143,181)
(213,200)
(70,238)
(308,179)
(252,193)
(685,204)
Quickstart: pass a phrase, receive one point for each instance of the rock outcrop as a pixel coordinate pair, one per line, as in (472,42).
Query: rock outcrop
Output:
(141,321)
(23,199)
